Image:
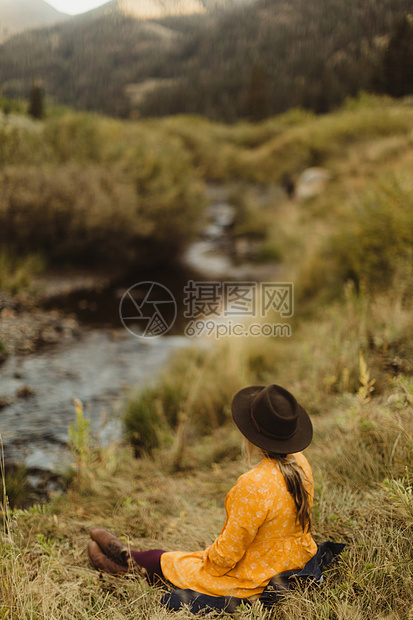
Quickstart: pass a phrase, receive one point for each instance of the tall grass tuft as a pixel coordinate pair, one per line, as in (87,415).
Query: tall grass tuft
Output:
(80,442)
(367,384)
(16,273)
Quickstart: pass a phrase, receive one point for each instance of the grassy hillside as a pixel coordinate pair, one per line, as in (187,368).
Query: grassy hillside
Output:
(349,361)
(45,570)
(106,189)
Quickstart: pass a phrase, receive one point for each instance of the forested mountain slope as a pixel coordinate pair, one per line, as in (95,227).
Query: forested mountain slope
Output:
(250,61)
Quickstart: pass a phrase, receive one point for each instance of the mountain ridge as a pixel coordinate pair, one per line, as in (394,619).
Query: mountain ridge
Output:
(23,15)
(150,9)
(155,9)
(19,15)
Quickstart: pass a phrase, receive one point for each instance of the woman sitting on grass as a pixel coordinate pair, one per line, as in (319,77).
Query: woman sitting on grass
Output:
(268,520)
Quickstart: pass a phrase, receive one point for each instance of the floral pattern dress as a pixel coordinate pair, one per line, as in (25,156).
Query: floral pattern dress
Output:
(260,538)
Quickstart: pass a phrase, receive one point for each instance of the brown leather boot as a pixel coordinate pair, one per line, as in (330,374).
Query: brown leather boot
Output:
(101,562)
(111,546)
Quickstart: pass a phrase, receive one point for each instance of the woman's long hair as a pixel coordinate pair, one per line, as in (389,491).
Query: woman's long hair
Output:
(295,480)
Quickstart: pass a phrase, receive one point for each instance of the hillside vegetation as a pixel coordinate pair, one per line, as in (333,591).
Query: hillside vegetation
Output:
(104,192)
(309,53)
(110,191)
(349,362)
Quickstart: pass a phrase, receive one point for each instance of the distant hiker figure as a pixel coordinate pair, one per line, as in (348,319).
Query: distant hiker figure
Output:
(289,185)
(268,511)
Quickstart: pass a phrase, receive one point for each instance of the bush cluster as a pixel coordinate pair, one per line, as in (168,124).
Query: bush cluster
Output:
(373,247)
(84,190)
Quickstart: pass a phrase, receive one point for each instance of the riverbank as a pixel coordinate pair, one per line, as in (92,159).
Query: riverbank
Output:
(66,322)
(45,569)
(52,354)
(27,323)
(348,359)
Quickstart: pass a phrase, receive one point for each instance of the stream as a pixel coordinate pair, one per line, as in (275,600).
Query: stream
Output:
(97,369)
(103,360)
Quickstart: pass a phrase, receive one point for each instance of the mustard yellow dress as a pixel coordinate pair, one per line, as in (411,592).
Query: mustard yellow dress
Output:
(260,538)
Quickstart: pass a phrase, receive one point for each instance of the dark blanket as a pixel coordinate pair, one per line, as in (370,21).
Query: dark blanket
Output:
(312,571)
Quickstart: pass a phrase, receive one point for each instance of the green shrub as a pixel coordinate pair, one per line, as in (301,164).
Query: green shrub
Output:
(373,248)
(207,144)
(269,252)
(16,273)
(94,215)
(10,106)
(143,421)
(170,195)
(84,189)
(21,144)
(70,213)
(377,243)
(19,492)
(79,137)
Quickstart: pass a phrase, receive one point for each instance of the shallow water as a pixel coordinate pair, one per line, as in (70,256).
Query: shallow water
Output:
(97,369)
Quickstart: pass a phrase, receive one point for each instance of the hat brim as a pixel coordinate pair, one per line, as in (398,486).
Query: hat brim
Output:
(241,408)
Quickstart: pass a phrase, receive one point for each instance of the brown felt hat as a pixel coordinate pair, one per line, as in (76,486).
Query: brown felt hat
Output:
(270,417)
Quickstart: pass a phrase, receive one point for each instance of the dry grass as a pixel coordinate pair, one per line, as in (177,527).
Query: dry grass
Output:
(362,452)
(45,571)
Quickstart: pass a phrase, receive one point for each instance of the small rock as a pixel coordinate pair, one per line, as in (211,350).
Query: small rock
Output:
(3,354)
(52,460)
(393,398)
(312,182)
(6,301)
(26,391)
(50,334)
(212,232)
(223,214)
(8,313)
(5,401)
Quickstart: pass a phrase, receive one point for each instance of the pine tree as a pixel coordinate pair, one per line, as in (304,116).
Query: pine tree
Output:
(398,60)
(36,101)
